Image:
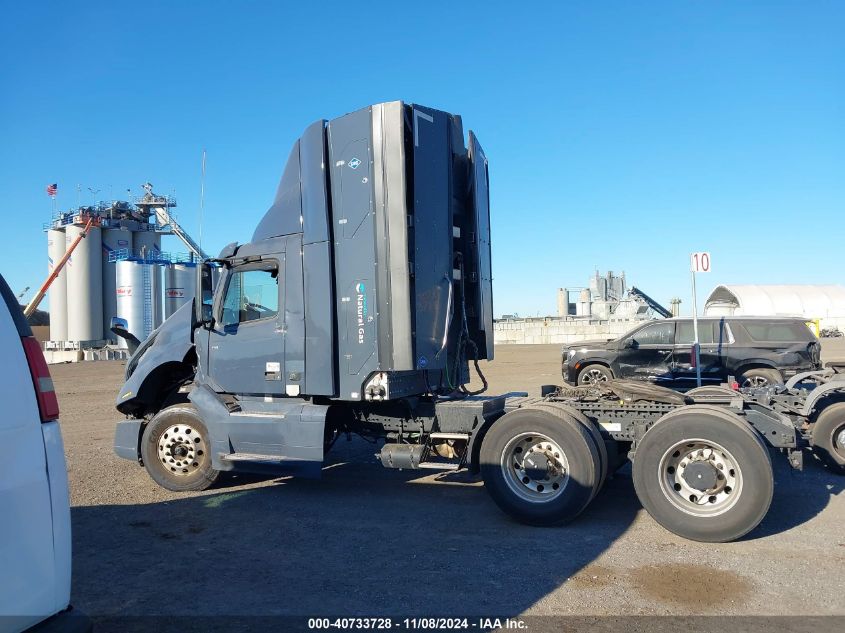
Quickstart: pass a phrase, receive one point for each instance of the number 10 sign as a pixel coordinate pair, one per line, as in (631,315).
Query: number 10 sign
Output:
(700,262)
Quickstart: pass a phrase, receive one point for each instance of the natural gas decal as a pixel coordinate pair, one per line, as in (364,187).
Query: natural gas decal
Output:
(361,291)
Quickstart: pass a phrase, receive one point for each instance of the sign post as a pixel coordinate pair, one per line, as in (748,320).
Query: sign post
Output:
(699,263)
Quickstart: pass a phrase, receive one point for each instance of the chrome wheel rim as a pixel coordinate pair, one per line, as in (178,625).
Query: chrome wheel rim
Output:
(593,377)
(700,477)
(839,440)
(181,449)
(535,467)
(755,381)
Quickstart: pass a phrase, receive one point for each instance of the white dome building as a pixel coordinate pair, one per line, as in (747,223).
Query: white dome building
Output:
(825,303)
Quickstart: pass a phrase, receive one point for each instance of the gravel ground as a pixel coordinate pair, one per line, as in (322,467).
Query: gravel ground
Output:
(368,541)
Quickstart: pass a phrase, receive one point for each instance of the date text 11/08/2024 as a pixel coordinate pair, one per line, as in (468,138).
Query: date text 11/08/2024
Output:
(412,624)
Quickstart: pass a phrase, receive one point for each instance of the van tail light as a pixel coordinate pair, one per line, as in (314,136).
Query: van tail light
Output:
(48,404)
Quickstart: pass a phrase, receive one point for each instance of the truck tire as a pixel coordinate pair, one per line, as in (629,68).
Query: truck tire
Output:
(562,412)
(176,450)
(829,437)
(704,474)
(712,390)
(591,374)
(759,377)
(561,477)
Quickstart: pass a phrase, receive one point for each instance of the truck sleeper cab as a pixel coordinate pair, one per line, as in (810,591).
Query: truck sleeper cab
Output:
(367,282)
(357,308)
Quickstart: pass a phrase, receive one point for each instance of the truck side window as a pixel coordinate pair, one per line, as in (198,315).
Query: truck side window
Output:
(251,295)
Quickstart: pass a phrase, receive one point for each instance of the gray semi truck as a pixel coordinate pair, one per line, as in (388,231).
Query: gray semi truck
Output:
(363,303)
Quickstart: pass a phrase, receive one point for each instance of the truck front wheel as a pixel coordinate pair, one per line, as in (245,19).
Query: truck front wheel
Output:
(176,450)
(539,468)
(704,474)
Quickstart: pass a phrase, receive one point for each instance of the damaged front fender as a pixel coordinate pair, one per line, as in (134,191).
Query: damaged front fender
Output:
(167,350)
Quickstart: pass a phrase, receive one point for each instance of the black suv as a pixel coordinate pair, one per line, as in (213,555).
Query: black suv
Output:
(756,350)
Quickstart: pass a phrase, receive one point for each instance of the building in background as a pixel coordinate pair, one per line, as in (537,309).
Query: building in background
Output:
(823,303)
(117,270)
(606,308)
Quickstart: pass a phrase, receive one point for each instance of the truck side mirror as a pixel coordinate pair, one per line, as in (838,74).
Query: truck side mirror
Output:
(121,328)
(204,299)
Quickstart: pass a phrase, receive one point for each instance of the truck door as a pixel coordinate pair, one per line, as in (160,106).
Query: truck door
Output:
(646,354)
(246,346)
(710,354)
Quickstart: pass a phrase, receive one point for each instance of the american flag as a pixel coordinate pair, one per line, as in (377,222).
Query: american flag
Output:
(52,189)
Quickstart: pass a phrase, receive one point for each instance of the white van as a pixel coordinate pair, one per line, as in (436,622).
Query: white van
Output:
(34,503)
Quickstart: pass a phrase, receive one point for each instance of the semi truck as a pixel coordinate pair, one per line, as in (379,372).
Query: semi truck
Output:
(363,304)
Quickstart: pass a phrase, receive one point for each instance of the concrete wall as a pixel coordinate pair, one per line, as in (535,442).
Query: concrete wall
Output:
(551,330)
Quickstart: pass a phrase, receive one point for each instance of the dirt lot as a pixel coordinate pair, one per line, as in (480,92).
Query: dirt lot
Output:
(367,541)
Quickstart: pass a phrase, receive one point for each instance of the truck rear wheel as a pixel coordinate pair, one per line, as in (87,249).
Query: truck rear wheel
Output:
(540,468)
(704,474)
(563,412)
(176,450)
(829,437)
(712,390)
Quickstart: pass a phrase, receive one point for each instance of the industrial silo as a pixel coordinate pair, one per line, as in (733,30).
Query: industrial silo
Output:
(116,242)
(584,307)
(147,244)
(158,297)
(180,282)
(138,297)
(84,286)
(58,290)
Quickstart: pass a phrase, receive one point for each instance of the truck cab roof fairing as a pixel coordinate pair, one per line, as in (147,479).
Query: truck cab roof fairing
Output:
(300,205)
(284,216)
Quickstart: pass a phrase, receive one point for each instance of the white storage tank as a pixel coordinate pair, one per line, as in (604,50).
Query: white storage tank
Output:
(138,297)
(115,241)
(147,244)
(58,290)
(158,302)
(584,307)
(180,286)
(84,286)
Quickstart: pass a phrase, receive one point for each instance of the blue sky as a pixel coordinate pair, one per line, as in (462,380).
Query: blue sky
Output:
(620,135)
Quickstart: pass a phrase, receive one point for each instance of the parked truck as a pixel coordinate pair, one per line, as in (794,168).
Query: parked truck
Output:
(360,305)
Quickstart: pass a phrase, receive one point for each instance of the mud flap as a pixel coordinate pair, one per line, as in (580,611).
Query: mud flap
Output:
(127,440)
